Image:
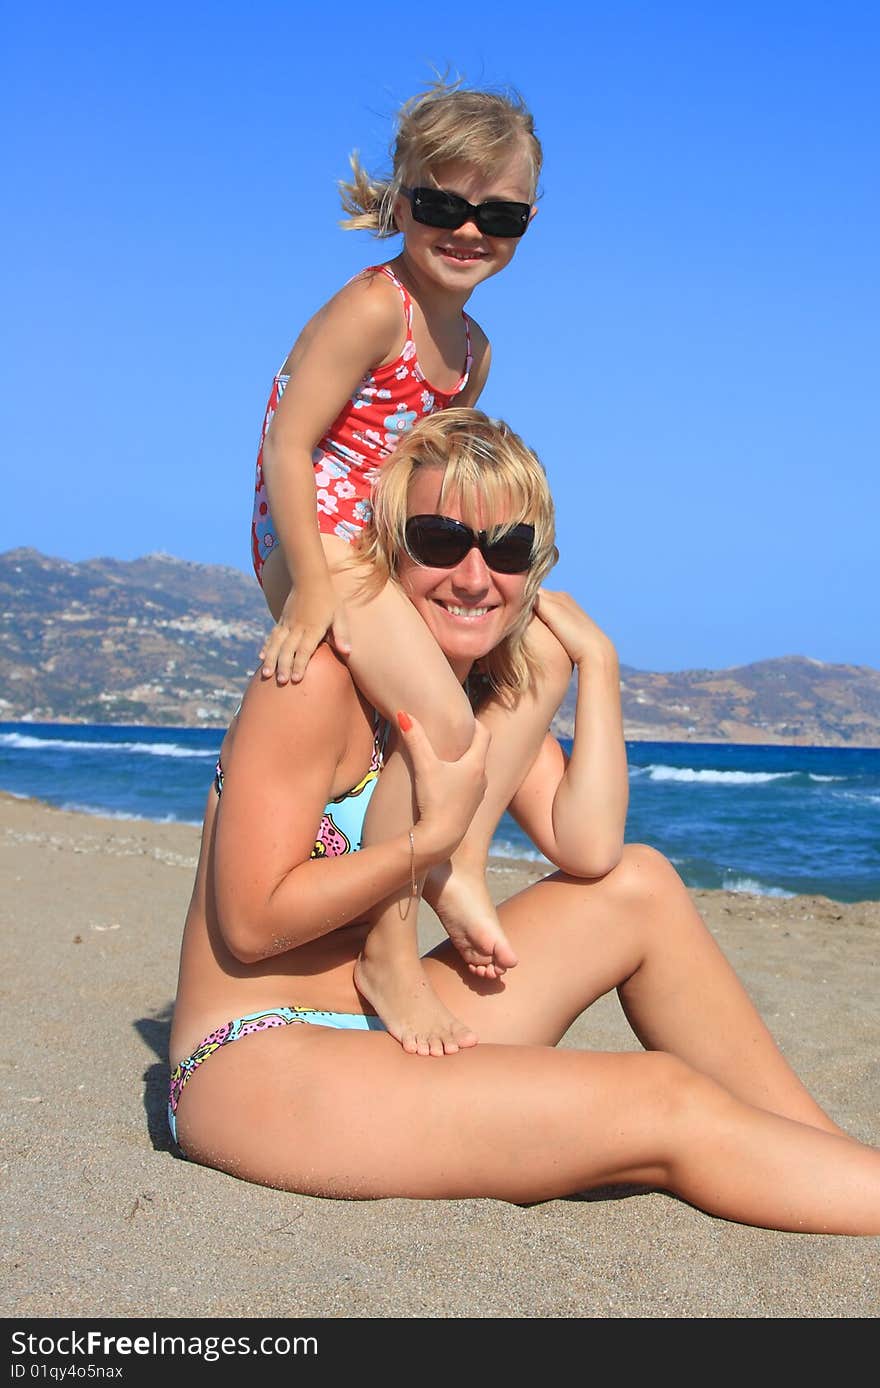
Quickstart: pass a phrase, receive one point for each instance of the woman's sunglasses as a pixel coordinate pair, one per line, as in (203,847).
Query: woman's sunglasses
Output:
(439,542)
(434,207)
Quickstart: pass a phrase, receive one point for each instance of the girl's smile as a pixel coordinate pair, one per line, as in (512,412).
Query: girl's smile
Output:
(452,256)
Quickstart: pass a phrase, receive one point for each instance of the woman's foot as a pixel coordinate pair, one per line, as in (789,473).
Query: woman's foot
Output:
(467,913)
(404,999)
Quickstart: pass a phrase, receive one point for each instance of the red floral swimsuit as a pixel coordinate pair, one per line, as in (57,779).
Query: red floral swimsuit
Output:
(347,459)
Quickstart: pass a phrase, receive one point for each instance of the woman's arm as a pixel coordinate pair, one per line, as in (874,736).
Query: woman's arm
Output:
(574,809)
(290,751)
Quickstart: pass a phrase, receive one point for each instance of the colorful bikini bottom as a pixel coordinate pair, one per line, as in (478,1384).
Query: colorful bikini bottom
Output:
(259,1021)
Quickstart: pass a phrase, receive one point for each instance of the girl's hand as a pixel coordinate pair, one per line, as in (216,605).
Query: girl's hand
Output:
(307,617)
(447,792)
(577,633)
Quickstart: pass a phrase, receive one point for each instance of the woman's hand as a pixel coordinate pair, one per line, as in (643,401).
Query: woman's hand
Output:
(577,633)
(308,615)
(447,792)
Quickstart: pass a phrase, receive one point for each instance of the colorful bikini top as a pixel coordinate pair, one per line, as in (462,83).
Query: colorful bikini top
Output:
(342,823)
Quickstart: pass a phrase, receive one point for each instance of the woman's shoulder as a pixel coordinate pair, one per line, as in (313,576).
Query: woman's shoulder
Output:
(313,713)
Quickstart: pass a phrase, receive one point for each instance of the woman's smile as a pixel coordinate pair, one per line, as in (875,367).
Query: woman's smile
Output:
(470,614)
(469,609)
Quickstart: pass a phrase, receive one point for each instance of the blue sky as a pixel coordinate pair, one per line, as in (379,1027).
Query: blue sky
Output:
(688,335)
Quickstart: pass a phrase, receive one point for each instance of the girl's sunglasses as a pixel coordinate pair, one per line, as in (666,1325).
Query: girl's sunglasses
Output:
(439,542)
(434,207)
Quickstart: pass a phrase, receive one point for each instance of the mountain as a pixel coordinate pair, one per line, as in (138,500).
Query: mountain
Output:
(163,641)
(154,640)
(792,699)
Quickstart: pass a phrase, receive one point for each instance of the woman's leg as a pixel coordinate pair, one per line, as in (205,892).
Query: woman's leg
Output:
(350,1115)
(636,930)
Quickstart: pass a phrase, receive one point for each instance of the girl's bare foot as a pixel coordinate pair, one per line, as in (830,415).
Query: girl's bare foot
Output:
(466,912)
(402,996)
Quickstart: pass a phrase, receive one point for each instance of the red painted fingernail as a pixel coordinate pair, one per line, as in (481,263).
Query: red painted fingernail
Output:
(404,722)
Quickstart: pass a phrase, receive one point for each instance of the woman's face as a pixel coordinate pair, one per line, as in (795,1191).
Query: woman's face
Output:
(468,609)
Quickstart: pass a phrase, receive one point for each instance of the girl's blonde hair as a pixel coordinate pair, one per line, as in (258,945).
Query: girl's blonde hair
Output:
(448,122)
(489,471)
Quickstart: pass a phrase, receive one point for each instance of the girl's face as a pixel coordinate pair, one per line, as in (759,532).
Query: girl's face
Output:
(458,260)
(468,609)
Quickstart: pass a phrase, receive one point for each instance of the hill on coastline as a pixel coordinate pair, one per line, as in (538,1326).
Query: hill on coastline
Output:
(160,640)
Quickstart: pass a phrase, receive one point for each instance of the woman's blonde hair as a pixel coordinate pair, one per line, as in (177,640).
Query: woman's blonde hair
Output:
(487,470)
(448,122)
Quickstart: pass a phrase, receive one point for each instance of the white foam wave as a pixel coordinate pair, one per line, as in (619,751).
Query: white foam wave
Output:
(860,796)
(27,743)
(503,848)
(753,888)
(78,807)
(720,778)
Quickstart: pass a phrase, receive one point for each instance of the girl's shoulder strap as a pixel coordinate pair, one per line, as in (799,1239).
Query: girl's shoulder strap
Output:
(469,357)
(405,298)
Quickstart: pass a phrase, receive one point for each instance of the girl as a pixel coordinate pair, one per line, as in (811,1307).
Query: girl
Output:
(393,346)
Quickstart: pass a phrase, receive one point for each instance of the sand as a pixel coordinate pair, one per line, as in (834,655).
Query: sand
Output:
(102,1220)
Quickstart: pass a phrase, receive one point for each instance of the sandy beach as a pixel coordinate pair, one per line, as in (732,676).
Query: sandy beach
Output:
(103,1220)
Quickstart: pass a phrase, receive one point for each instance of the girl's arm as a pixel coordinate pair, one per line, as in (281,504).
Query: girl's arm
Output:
(358,329)
(574,809)
(286,757)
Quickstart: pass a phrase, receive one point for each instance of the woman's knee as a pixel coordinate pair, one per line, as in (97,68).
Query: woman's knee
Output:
(643,875)
(680,1100)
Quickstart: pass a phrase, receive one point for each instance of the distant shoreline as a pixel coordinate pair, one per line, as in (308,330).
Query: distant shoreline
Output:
(141,640)
(757,741)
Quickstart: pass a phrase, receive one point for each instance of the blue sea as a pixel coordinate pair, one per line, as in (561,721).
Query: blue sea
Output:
(772,820)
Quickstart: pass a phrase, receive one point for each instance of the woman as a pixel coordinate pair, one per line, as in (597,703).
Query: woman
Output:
(314,1096)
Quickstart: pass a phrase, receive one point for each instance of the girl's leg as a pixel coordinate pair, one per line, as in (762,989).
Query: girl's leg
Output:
(422,683)
(348,1115)
(457,890)
(397,664)
(275,582)
(635,929)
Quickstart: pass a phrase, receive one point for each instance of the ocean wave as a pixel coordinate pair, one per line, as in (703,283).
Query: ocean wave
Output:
(753,888)
(861,797)
(26,742)
(527,852)
(721,778)
(79,807)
